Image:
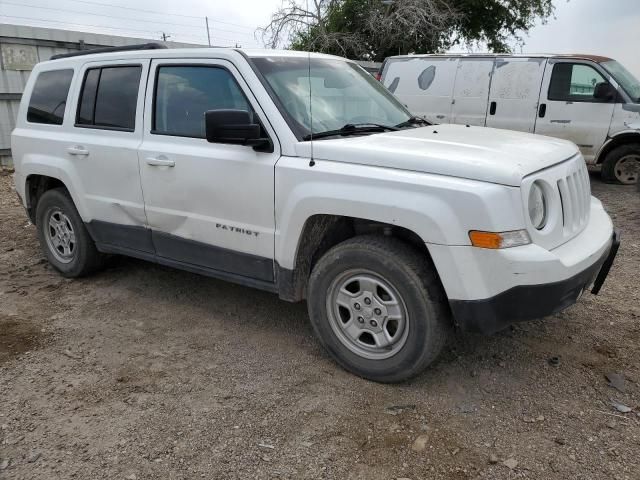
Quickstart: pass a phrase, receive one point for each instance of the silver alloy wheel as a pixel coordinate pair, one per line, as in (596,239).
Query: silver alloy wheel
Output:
(61,238)
(627,169)
(367,314)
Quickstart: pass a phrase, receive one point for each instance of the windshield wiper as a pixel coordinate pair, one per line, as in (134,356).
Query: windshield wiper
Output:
(413,121)
(352,129)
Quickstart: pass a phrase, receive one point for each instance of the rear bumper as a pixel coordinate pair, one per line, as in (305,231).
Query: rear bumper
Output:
(528,302)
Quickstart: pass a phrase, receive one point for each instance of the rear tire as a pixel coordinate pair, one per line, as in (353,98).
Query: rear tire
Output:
(377,306)
(64,239)
(622,165)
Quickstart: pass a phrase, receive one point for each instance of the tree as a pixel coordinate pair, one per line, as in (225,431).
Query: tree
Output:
(375,29)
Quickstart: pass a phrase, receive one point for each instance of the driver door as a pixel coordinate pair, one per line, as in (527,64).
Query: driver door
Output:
(209,205)
(568,108)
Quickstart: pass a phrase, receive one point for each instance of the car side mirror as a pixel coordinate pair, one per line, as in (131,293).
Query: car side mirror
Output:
(233,126)
(604,91)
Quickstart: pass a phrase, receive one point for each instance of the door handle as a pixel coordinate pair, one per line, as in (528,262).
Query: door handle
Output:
(492,108)
(160,161)
(543,110)
(77,150)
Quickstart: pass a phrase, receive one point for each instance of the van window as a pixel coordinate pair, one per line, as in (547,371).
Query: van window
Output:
(184,93)
(49,97)
(574,82)
(109,98)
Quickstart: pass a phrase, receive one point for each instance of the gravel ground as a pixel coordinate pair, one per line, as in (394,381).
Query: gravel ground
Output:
(145,372)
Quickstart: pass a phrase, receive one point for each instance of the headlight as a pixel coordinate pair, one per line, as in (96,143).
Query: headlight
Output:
(537,206)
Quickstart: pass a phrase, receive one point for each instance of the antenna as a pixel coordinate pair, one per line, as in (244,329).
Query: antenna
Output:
(312,162)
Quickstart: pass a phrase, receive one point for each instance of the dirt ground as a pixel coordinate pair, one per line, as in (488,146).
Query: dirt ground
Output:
(145,372)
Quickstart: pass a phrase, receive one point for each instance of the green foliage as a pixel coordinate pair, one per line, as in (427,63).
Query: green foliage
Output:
(494,22)
(364,29)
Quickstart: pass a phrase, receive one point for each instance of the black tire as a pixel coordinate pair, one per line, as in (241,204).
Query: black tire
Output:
(413,277)
(611,172)
(84,258)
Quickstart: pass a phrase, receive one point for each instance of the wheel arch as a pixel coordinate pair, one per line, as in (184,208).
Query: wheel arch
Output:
(36,185)
(622,138)
(320,233)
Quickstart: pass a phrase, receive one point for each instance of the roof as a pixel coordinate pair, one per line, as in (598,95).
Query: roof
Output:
(580,56)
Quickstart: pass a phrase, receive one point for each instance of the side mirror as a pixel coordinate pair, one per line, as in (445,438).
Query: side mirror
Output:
(232,126)
(604,91)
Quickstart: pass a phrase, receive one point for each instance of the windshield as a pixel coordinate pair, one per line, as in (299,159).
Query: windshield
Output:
(340,93)
(625,78)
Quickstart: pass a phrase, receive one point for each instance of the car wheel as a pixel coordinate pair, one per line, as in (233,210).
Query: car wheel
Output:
(622,164)
(63,236)
(377,306)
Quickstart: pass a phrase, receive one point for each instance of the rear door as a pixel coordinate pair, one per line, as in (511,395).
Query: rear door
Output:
(102,145)
(471,90)
(514,93)
(568,108)
(423,84)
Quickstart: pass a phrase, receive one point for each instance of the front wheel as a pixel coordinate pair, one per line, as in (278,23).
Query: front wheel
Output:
(377,306)
(622,164)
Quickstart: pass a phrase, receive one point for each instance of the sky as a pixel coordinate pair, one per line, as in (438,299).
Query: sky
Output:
(605,27)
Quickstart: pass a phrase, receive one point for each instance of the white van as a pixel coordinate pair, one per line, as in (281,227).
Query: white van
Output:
(591,100)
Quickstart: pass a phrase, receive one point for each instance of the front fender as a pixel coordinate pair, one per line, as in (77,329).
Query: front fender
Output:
(439,209)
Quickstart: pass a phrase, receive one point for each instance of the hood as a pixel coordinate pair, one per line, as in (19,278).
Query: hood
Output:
(476,153)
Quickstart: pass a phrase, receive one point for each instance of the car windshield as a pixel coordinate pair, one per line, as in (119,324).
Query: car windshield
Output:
(625,78)
(339,92)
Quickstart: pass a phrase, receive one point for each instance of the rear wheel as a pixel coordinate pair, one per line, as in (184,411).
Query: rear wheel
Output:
(63,236)
(622,164)
(378,308)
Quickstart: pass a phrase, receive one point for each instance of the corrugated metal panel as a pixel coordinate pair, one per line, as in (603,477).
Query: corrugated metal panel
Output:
(8,114)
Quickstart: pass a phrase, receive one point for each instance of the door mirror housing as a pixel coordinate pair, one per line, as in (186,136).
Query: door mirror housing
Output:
(233,126)
(604,91)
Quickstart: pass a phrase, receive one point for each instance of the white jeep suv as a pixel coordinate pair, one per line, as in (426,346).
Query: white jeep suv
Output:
(300,174)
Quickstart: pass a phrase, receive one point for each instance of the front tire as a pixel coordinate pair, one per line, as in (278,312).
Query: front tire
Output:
(622,164)
(63,237)
(377,306)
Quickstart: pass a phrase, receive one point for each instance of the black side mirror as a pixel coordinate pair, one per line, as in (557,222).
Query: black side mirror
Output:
(233,126)
(604,91)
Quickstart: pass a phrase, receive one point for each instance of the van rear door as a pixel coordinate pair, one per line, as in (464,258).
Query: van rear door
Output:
(514,94)
(423,84)
(471,90)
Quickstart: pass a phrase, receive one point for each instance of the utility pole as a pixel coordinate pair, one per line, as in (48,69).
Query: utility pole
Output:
(165,36)
(206,21)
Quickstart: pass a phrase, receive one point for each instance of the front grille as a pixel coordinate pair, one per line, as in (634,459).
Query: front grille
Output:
(575,195)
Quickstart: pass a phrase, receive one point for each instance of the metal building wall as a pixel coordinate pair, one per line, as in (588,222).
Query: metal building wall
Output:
(21,46)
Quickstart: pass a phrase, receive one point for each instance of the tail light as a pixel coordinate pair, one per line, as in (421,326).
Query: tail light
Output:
(378,75)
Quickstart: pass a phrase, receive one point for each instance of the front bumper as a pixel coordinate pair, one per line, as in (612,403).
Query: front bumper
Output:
(528,302)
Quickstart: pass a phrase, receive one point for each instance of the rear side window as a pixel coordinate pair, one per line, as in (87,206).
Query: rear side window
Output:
(184,93)
(574,82)
(109,98)
(49,97)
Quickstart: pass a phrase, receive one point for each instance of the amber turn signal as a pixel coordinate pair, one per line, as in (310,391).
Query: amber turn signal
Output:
(496,240)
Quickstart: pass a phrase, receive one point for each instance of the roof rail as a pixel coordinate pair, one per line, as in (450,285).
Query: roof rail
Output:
(125,48)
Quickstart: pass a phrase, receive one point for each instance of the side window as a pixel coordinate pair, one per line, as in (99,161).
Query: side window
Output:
(184,93)
(109,97)
(574,82)
(49,97)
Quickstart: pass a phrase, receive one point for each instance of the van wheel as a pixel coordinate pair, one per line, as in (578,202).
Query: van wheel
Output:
(622,164)
(378,308)
(63,235)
